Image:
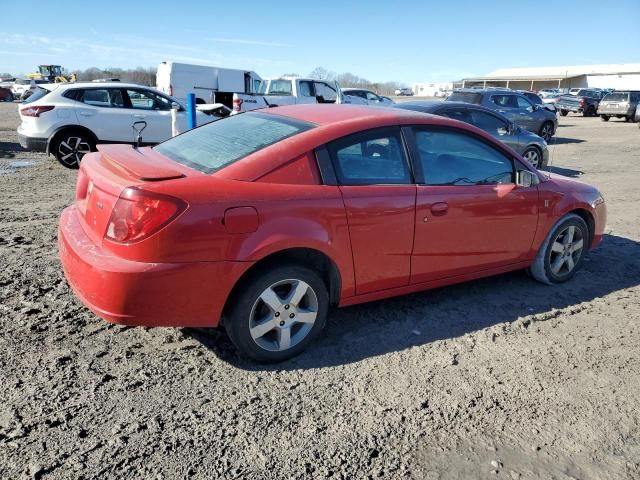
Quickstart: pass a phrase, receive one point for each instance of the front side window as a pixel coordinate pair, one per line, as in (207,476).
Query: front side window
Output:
(217,144)
(147,100)
(370,158)
(327,93)
(448,157)
(372,97)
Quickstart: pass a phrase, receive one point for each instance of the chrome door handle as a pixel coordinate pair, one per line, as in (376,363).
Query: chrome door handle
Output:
(139,116)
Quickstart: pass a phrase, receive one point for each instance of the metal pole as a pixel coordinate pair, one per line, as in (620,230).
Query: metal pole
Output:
(191,110)
(174,122)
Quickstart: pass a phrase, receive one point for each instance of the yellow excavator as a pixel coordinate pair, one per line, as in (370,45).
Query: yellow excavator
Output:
(52,73)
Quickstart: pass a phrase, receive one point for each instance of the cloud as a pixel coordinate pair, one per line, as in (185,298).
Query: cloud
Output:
(247,42)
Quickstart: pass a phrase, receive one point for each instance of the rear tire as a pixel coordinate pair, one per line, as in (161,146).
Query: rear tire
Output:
(277,313)
(564,112)
(604,118)
(533,156)
(70,146)
(561,253)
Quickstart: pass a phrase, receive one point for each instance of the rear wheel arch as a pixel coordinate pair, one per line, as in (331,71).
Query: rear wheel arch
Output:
(66,129)
(306,257)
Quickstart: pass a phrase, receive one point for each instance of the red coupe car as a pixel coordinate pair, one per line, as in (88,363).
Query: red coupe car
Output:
(262,221)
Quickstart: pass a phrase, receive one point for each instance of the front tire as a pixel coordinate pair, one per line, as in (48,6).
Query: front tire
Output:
(604,118)
(546,131)
(278,313)
(70,146)
(561,254)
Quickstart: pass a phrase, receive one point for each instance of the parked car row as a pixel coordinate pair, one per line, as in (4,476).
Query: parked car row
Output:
(514,105)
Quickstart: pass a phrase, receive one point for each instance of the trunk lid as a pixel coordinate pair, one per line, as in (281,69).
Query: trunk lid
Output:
(105,174)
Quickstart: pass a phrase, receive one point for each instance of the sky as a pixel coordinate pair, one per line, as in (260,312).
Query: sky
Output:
(408,41)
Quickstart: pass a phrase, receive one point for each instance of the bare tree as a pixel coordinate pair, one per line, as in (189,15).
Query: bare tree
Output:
(321,73)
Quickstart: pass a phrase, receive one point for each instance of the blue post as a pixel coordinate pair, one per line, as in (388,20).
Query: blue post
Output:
(191,110)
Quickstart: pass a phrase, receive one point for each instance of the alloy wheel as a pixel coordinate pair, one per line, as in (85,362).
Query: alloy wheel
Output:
(532,156)
(72,149)
(566,250)
(546,132)
(283,315)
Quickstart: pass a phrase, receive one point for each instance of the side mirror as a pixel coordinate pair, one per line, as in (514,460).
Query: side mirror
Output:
(320,99)
(525,178)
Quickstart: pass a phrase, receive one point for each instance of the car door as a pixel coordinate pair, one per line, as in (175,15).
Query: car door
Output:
(325,93)
(379,196)
(154,109)
(102,111)
(470,214)
(529,117)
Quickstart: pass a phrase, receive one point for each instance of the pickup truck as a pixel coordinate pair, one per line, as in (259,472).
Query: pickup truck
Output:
(586,102)
(276,92)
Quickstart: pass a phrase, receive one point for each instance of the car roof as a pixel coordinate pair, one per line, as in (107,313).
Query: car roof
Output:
(66,86)
(329,114)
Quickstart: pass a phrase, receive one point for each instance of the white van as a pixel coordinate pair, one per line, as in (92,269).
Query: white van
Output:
(209,84)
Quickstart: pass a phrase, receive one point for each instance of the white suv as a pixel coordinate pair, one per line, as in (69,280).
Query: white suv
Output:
(68,120)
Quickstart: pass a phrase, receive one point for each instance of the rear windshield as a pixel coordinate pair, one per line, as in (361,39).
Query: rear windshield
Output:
(214,146)
(37,95)
(468,97)
(616,97)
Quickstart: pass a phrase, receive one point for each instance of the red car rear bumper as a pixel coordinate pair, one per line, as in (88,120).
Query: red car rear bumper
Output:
(148,294)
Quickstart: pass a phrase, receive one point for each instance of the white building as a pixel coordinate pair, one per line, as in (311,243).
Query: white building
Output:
(619,76)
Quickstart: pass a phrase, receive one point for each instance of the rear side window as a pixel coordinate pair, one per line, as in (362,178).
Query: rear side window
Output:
(97,97)
(325,93)
(487,122)
(505,101)
(215,145)
(375,157)
(467,97)
(454,158)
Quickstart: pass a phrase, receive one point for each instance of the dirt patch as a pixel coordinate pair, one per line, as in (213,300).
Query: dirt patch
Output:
(497,378)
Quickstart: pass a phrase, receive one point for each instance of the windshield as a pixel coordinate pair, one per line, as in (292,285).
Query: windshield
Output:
(280,87)
(215,145)
(467,97)
(616,97)
(37,95)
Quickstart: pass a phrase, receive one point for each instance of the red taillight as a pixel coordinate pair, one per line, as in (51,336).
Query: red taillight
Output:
(582,102)
(35,110)
(138,214)
(237,104)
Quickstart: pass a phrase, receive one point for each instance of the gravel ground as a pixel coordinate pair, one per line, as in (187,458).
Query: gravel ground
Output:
(497,378)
